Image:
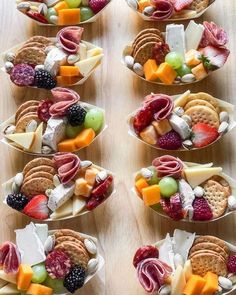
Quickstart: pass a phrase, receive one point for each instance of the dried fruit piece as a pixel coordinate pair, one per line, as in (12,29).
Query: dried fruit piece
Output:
(58,264)
(144,253)
(173,207)
(142,119)
(37,16)
(159,52)
(43,110)
(201,210)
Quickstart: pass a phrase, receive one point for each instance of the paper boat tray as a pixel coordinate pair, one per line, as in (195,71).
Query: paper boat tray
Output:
(91,20)
(7,189)
(174,18)
(225,106)
(230,180)
(17,47)
(11,121)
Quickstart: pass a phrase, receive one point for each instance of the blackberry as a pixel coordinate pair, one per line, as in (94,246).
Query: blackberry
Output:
(76,115)
(43,79)
(17,201)
(75,279)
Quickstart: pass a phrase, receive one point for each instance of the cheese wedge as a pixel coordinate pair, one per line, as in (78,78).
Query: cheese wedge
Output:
(78,205)
(94,51)
(197,175)
(63,211)
(188,270)
(10,278)
(24,140)
(82,51)
(87,65)
(178,281)
(9,289)
(182,99)
(36,146)
(193,35)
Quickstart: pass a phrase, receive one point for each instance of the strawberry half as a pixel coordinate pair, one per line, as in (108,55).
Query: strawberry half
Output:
(37,16)
(181,4)
(213,57)
(37,207)
(204,135)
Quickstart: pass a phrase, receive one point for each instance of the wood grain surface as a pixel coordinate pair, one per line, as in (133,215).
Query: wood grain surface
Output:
(122,224)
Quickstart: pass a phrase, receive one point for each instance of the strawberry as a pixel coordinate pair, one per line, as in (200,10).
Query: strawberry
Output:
(142,119)
(181,4)
(37,207)
(203,135)
(97,5)
(214,58)
(37,16)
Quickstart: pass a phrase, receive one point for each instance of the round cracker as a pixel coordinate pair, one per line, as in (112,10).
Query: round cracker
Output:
(144,41)
(199,5)
(144,53)
(209,246)
(38,162)
(69,239)
(203,263)
(224,183)
(149,31)
(36,186)
(34,44)
(43,168)
(39,174)
(203,114)
(40,39)
(197,102)
(212,239)
(24,121)
(30,55)
(29,110)
(207,252)
(205,96)
(68,232)
(25,105)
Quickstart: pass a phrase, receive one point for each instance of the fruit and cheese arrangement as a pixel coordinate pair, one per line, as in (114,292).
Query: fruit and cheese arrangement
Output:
(187,264)
(183,122)
(43,262)
(49,62)
(62,12)
(58,188)
(60,124)
(186,191)
(167,10)
(178,56)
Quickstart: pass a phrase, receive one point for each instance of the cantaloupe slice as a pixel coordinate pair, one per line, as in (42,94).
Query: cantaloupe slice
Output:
(194,285)
(84,138)
(37,289)
(69,16)
(151,195)
(69,71)
(166,73)
(24,277)
(140,184)
(150,70)
(211,285)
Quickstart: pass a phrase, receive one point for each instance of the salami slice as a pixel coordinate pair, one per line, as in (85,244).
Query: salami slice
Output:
(58,264)
(168,166)
(164,9)
(68,166)
(63,98)
(213,35)
(152,274)
(9,257)
(69,38)
(22,75)
(43,110)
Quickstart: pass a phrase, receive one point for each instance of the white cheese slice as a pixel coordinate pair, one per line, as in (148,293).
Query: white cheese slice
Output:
(64,211)
(182,99)
(79,204)
(188,270)
(9,289)
(182,242)
(197,175)
(166,252)
(42,231)
(87,65)
(55,132)
(23,140)
(55,58)
(27,242)
(193,35)
(175,38)
(178,281)
(60,195)
(82,51)
(36,146)
(10,278)
(94,51)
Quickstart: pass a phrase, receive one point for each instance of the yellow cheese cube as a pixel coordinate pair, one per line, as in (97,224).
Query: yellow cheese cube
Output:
(24,277)
(141,184)
(90,175)
(151,195)
(149,135)
(191,58)
(82,188)
(199,72)
(162,127)
(150,68)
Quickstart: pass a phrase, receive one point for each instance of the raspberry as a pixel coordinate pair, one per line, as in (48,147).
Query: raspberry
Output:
(144,253)
(232,264)
(201,210)
(173,207)
(97,5)
(170,141)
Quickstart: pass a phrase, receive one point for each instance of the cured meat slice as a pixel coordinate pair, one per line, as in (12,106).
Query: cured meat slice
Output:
(69,38)
(9,257)
(181,4)
(168,166)
(164,9)
(68,166)
(159,52)
(22,75)
(63,98)
(213,35)
(58,264)
(43,110)
(152,274)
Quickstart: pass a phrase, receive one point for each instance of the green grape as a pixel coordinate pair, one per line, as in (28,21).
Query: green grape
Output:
(39,273)
(73,131)
(86,13)
(168,186)
(174,59)
(154,179)
(51,11)
(94,119)
(73,3)
(56,285)
(183,70)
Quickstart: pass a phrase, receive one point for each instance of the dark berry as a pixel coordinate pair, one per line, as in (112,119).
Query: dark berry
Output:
(75,279)
(76,115)
(201,210)
(170,141)
(232,264)
(43,79)
(17,201)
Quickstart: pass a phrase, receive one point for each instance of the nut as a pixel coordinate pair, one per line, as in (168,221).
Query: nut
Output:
(178,260)
(46,150)
(225,283)
(224,117)
(92,265)
(189,78)
(43,9)
(223,127)
(23,7)
(146,173)
(8,66)
(31,126)
(85,164)
(54,19)
(90,246)
(179,111)
(232,202)
(18,179)
(15,188)
(73,58)
(101,176)
(149,10)
(133,4)
(49,244)
(187,144)
(10,56)
(10,129)
(138,69)
(129,61)
(56,180)
(165,290)
(199,191)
